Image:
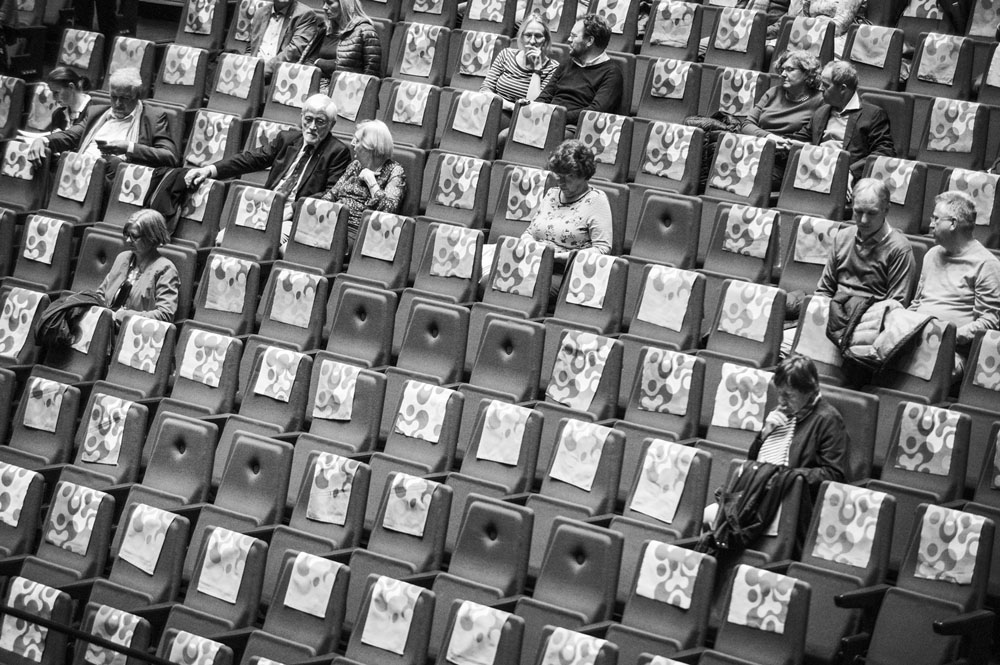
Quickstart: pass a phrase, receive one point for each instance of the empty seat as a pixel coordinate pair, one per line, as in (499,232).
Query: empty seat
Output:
(806,253)
(954,134)
(665,503)
(814,35)
(977,399)
(27,642)
(535,130)
(225,587)
(308,609)
(357,99)
(393,626)
(291,85)
(318,238)
(876,52)
(24,183)
(22,514)
(815,181)
(121,628)
(737,39)
(17,341)
(238,86)
(183,647)
(846,548)
(472,124)
(214,136)
(610,138)
(202,24)
(227,292)
(576,585)
(78,189)
(75,536)
(41,432)
(108,442)
(360,321)
(147,562)
(180,81)
(251,219)
(558,642)
(142,359)
(421,53)
(668,602)
(43,263)
(83,52)
(479,632)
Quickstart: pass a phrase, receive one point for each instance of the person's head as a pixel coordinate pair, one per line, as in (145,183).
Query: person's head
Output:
(572,164)
(319,114)
(372,144)
(953,220)
(340,13)
(124,85)
(280,5)
(796,381)
(145,230)
(839,82)
(534,33)
(799,71)
(870,204)
(590,36)
(65,85)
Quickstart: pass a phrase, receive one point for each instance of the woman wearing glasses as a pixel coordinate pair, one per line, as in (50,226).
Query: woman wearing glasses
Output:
(522,73)
(787,107)
(141,281)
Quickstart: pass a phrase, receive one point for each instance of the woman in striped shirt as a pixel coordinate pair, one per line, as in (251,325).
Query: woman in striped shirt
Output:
(521,73)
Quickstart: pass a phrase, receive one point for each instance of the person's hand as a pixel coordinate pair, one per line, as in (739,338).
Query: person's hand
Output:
(780,141)
(368,176)
(113,147)
(532,57)
(119,315)
(36,151)
(195,177)
(774,420)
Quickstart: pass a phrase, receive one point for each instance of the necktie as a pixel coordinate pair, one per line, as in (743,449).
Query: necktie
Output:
(288,186)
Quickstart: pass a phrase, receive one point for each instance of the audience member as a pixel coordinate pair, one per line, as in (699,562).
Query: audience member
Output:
(141,281)
(589,80)
(775,10)
(572,216)
(869,258)
(128,131)
(282,34)
(787,107)
(959,279)
(804,433)
(69,89)
(846,122)
(373,181)
(347,42)
(523,72)
(303,162)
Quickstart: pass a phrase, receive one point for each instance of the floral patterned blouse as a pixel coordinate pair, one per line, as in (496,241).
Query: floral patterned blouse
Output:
(352,192)
(583,224)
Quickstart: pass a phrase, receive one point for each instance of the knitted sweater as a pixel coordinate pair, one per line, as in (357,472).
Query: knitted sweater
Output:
(595,87)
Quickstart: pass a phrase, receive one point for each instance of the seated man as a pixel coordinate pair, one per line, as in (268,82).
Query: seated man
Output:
(282,34)
(869,259)
(960,279)
(589,80)
(304,162)
(846,122)
(128,131)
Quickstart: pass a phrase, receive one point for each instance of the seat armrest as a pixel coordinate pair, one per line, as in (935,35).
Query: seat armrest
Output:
(777,566)
(691,656)
(598,629)
(977,622)
(869,597)
(423,580)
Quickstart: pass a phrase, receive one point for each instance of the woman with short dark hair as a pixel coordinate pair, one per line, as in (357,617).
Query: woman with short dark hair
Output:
(574,215)
(805,432)
(141,281)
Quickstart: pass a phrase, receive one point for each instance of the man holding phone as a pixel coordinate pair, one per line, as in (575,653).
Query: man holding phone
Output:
(127,131)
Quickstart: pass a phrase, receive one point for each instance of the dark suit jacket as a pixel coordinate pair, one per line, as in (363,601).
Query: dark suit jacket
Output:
(154,146)
(322,172)
(867,133)
(301,26)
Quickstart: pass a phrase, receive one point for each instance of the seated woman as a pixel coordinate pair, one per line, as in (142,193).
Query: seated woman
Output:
(787,107)
(69,90)
(373,181)
(574,215)
(804,433)
(140,280)
(522,73)
(348,44)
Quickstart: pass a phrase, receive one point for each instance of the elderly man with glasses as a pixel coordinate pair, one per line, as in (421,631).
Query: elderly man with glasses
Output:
(126,131)
(304,162)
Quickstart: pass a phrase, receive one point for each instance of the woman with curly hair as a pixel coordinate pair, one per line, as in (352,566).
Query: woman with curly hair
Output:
(574,215)
(787,107)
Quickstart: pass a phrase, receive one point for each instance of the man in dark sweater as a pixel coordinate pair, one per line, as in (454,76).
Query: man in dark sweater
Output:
(589,80)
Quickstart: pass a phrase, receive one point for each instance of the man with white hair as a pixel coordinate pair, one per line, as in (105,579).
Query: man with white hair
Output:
(127,131)
(304,162)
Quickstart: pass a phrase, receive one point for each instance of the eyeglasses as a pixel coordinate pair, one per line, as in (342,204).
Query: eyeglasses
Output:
(790,68)
(130,236)
(935,219)
(315,121)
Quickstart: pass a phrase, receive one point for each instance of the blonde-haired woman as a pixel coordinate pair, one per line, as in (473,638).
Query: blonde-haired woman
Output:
(522,73)
(348,44)
(372,181)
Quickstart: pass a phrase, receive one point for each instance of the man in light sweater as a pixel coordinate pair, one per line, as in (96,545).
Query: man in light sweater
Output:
(960,279)
(589,80)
